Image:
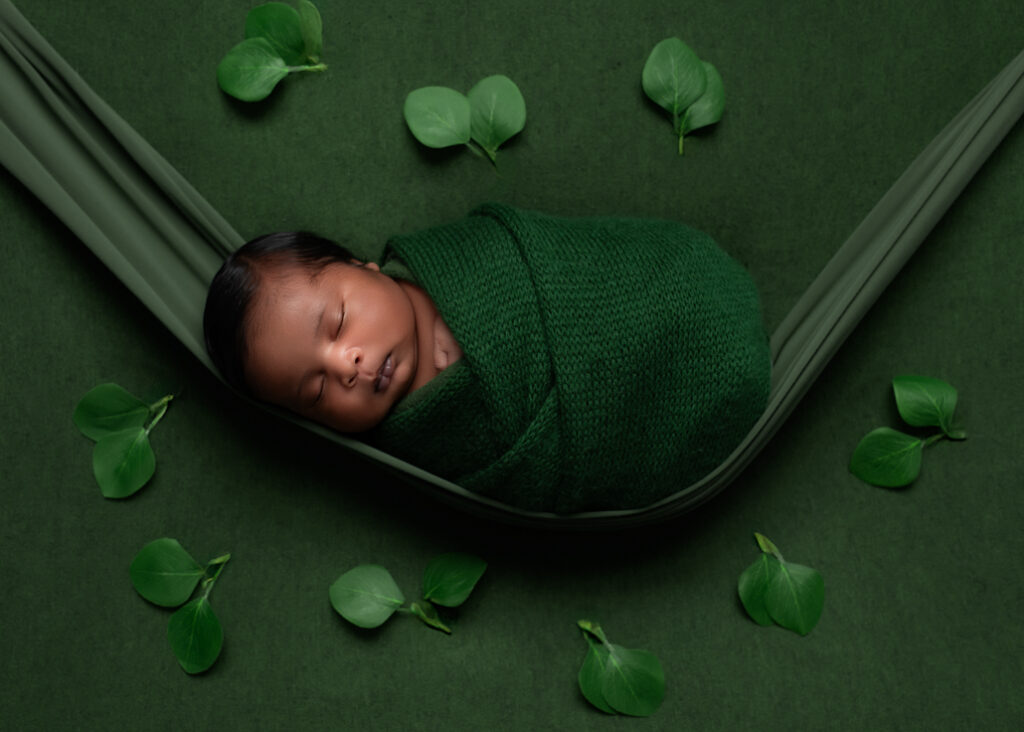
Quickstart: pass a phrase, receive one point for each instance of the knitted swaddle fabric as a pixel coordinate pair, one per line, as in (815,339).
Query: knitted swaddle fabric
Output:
(608,362)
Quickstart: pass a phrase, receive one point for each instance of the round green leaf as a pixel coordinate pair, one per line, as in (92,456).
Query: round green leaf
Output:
(195,635)
(450,578)
(123,462)
(497,111)
(633,681)
(109,408)
(438,116)
(312,30)
(674,77)
(366,595)
(428,614)
(281,26)
(251,70)
(707,110)
(753,585)
(795,597)
(887,458)
(164,573)
(925,402)
(591,676)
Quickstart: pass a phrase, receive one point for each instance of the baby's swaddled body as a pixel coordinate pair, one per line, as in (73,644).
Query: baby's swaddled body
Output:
(607,362)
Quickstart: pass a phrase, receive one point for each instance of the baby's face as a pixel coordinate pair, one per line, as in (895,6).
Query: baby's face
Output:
(340,350)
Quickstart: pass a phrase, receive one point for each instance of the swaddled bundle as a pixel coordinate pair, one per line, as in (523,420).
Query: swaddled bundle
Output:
(608,362)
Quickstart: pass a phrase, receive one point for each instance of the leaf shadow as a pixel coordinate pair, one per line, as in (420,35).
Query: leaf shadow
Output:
(256,111)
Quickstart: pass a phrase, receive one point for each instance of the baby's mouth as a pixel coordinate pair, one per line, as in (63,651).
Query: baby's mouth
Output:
(384,375)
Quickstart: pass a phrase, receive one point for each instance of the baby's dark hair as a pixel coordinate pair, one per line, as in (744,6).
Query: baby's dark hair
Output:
(229,302)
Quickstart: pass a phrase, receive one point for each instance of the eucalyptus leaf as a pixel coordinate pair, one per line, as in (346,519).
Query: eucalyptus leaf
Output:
(428,614)
(438,116)
(164,573)
(123,462)
(195,635)
(312,30)
(633,682)
(885,457)
(109,408)
(753,585)
(925,402)
(591,676)
(708,108)
(251,70)
(795,597)
(673,77)
(497,112)
(366,595)
(450,578)
(281,25)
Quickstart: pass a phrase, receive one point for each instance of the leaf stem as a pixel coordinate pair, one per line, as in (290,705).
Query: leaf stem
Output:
(314,67)
(933,438)
(593,629)
(208,583)
(160,407)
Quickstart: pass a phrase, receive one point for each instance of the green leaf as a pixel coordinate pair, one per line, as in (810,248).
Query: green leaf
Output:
(366,595)
(312,30)
(450,578)
(438,116)
(109,408)
(887,458)
(195,635)
(123,462)
(497,112)
(753,585)
(633,681)
(707,110)
(251,70)
(281,26)
(674,77)
(164,573)
(428,614)
(925,402)
(795,597)
(591,675)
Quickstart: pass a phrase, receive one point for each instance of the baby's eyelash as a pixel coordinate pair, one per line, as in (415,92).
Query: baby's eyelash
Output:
(341,322)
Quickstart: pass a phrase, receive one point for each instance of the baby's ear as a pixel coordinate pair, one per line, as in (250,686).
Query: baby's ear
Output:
(372,265)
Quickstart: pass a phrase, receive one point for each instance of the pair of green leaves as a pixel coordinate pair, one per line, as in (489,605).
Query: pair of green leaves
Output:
(687,88)
(492,112)
(119,422)
(279,40)
(619,680)
(772,589)
(888,458)
(166,575)
(367,595)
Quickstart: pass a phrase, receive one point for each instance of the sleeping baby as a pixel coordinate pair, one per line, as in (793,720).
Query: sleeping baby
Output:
(549,363)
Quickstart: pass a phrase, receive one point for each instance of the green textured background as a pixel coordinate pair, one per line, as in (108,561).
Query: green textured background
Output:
(827,104)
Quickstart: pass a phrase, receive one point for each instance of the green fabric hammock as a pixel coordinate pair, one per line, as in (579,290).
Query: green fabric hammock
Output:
(164,241)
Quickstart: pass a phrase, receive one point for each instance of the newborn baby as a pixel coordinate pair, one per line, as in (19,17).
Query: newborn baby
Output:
(549,363)
(297,321)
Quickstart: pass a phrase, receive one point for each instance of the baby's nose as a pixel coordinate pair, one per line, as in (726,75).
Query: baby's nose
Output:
(351,359)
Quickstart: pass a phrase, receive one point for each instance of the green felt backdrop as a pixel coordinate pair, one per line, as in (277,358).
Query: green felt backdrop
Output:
(827,104)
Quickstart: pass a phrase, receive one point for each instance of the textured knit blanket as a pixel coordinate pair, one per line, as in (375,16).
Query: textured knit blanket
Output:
(609,362)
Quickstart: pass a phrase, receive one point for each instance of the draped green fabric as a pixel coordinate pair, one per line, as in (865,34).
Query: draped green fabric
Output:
(164,241)
(607,360)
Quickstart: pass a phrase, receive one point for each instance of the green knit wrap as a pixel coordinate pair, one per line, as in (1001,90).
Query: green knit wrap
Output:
(609,362)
